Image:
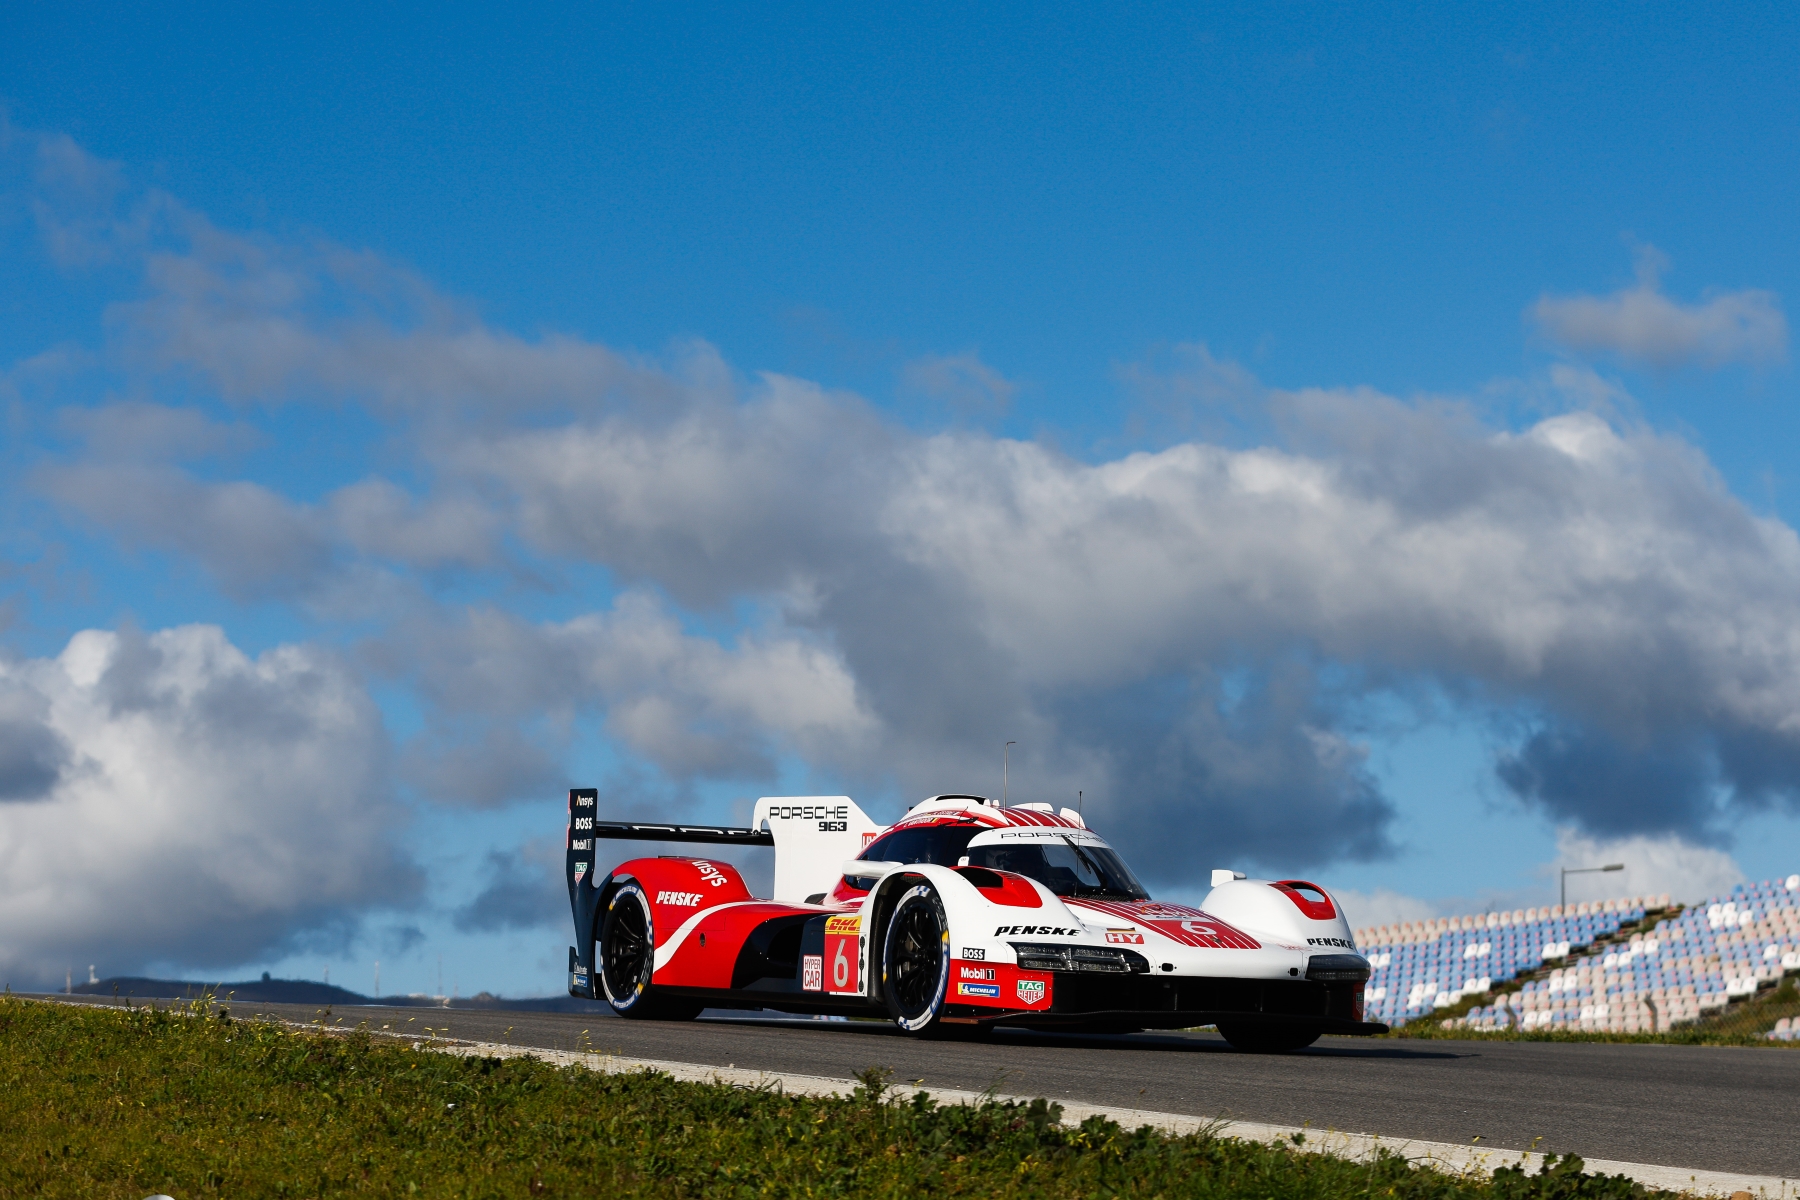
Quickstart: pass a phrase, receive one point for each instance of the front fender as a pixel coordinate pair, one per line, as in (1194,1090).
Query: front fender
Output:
(978,914)
(1290,911)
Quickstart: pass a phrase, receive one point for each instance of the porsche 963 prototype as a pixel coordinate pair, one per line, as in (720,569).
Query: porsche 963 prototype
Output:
(961,916)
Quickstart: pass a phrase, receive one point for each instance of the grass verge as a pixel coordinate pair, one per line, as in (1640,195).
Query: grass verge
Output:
(99,1102)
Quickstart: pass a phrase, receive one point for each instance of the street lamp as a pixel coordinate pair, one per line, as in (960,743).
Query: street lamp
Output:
(1568,871)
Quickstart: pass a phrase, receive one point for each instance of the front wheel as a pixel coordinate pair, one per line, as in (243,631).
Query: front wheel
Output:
(1268,1039)
(627,957)
(915,961)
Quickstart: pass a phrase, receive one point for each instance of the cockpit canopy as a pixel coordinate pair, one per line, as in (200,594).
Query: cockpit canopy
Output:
(1070,862)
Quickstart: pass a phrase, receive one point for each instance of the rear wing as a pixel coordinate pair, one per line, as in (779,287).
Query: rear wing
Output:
(812,836)
(584,830)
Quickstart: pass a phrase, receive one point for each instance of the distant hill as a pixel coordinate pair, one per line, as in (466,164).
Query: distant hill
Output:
(305,991)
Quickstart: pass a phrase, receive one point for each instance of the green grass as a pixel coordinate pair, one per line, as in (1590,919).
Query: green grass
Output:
(106,1102)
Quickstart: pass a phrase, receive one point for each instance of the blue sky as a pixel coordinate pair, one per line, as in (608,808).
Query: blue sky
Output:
(784,372)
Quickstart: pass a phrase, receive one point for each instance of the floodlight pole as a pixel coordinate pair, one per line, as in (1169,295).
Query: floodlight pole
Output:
(1568,871)
(1005,754)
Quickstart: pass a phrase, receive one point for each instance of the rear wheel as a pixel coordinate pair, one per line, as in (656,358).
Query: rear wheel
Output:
(627,957)
(915,961)
(1268,1039)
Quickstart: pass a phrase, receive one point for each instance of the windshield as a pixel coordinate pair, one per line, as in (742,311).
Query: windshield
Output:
(1064,867)
(941,844)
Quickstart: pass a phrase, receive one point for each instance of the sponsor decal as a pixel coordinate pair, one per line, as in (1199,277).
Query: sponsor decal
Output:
(868,839)
(843,954)
(1124,937)
(584,802)
(974,953)
(812,972)
(580,870)
(679,899)
(1346,943)
(1035,931)
(1031,991)
(989,990)
(822,813)
(582,844)
(709,872)
(976,973)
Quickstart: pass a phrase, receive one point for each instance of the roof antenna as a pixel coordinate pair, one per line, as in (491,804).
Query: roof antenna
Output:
(1078,802)
(1005,751)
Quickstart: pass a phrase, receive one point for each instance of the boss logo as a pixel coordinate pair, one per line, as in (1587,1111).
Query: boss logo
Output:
(584,822)
(974,953)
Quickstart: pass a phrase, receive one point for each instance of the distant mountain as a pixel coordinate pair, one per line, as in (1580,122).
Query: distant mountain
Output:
(305,991)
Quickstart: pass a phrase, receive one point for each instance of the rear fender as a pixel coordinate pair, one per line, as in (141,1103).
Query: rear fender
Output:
(680,888)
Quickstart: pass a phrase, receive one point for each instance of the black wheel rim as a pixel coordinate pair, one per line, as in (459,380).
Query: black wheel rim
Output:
(624,949)
(916,957)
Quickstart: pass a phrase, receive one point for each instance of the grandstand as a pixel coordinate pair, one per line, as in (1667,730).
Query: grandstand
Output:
(1608,969)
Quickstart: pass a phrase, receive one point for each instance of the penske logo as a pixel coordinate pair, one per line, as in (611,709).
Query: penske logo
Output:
(1035,931)
(679,899)
(1342,942)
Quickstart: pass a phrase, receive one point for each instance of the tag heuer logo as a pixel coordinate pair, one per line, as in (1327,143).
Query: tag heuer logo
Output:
(1031,991)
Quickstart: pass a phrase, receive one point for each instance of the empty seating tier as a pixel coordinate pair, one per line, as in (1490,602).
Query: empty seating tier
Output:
(1689,963)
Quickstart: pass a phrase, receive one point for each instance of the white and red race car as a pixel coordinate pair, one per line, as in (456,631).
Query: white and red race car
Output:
(961,916)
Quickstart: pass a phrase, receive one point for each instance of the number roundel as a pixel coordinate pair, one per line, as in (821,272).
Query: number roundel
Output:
(841,967)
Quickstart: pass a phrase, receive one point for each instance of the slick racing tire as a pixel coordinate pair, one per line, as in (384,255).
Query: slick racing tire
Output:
(1268,1039)
(626,957)
(915,961)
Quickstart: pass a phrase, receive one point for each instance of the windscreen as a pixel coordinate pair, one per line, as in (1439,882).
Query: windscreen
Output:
(940,844)
(1066,867)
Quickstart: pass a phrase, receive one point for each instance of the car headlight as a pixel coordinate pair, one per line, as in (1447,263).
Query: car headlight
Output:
(1040,956)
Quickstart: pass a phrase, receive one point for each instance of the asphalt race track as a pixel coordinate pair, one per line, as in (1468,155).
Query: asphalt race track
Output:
(1712,1108)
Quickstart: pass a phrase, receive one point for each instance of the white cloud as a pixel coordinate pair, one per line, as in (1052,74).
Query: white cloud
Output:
(1184,633)
(689,705)
(1643,324)
(209,808)
(1653,866)
(1365,910)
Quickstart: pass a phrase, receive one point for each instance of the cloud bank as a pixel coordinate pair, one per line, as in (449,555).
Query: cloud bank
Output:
(1194,635)
(172,800)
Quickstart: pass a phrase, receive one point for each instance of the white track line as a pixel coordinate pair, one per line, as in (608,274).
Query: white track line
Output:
(1451,1157)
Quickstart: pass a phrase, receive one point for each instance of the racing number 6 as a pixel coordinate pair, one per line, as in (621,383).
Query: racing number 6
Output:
(840,967)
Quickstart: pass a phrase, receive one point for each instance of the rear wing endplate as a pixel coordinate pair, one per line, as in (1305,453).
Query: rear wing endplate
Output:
(584,830)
